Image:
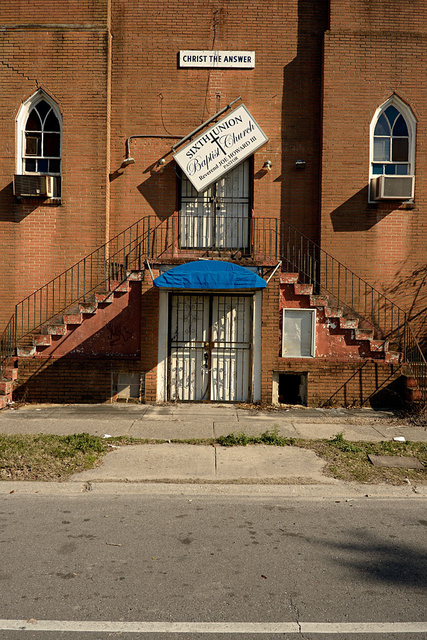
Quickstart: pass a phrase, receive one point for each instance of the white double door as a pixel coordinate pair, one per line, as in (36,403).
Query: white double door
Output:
(210,346)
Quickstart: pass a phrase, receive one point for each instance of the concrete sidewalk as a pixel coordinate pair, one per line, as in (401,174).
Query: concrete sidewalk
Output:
(186,421)
(188,463)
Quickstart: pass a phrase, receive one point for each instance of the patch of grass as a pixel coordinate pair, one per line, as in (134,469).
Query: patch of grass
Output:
(242,439)
(344,445)
(48,457)
(349,460)
(53,457)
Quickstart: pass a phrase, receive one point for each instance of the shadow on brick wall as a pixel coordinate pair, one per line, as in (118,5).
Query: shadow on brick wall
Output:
(389,391)
(16,209)
(301,115)
(356,214)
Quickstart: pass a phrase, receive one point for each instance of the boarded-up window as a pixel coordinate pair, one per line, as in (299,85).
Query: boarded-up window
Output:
(298,333)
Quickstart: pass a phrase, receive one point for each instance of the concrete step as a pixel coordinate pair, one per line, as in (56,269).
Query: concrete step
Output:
(319,301)
(303,289)
(102,297)
(349,323)
(392,357)
(26,351)
(289,278)
(6,386)
(363,334)
(11,373)
(73,318)
(333,312)
(119,287)
(42,340)
(135,276)
(379,345)
(55,329)
(86,307)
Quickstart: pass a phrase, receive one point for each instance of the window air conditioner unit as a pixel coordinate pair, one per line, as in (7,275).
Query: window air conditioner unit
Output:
(393,187)
(26,186)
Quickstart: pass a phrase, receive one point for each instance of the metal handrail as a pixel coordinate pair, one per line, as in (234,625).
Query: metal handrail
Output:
(416,360)
(347,290)
(258,238)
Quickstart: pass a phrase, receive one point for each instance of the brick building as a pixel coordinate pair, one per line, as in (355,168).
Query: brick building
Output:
(121,275)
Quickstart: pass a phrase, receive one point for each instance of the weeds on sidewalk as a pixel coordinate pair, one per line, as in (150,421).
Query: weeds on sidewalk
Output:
(52,457)
(48,457)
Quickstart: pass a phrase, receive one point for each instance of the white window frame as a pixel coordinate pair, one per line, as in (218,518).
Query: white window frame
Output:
(411,123)
(313,332)
(21,121)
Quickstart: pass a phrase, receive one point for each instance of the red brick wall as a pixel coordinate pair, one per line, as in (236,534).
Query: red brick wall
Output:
(150,95)
(347,384)
(64,380)
(339,375)
(69,61)
(373,50)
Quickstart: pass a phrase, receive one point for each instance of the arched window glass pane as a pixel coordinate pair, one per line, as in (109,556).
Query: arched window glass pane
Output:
(33,144)
(381,149)
(43,108)
(400,150)
(55,166)
(402,169)
(51,145)
(391,113)
(390,169)
(51,123)
(40,138)
(382,128)
(400,128)
(33,122)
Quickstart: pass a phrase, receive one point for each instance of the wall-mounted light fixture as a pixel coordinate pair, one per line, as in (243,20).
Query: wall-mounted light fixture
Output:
(161,165)
(299,164)
(127,161)
(267,165)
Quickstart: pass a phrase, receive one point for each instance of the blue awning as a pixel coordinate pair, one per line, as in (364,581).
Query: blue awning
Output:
(209,274)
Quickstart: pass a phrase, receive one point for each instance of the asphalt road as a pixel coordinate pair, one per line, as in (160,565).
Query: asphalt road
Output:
(286,564)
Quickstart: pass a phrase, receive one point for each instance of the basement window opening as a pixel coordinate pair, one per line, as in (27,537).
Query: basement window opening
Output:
(127,387)
(292,388)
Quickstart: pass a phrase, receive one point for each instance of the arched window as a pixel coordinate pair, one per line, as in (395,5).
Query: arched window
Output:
(393,146)
(39,135)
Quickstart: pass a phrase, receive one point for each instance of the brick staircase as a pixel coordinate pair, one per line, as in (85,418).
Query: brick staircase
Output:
(61,326)
(7,382)
(357,337)
(365,339)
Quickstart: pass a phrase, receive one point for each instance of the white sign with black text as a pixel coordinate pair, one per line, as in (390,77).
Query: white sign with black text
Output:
(217,59)
(227,143)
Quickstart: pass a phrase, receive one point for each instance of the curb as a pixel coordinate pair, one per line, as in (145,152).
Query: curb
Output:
(344,491)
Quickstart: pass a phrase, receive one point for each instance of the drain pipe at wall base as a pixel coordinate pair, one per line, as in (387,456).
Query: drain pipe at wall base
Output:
(279,264)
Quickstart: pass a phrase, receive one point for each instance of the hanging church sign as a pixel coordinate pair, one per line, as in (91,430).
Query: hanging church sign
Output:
(217,59)
(227,143)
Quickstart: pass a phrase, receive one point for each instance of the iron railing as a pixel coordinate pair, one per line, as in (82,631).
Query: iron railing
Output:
(347,290)
(262,239)
(416,361)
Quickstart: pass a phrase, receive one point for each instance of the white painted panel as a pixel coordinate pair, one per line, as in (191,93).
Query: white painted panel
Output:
(298,333)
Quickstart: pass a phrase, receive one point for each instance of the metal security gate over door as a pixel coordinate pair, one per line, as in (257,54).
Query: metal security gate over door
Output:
(210,340)
(217,218)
